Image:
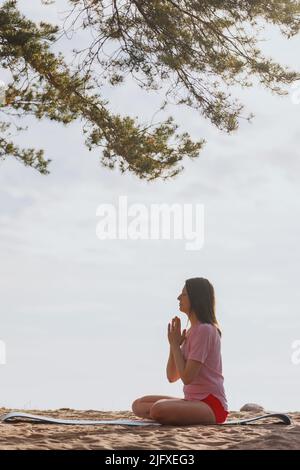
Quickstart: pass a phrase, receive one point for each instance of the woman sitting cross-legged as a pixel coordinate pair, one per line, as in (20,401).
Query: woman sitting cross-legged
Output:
(195,358)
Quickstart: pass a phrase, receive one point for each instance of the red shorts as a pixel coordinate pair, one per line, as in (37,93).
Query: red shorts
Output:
(217,407)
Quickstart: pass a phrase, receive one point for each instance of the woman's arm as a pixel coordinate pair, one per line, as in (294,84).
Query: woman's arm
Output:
(179,360)
(172,372)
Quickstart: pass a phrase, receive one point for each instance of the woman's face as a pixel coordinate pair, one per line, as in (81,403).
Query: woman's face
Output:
(184,302)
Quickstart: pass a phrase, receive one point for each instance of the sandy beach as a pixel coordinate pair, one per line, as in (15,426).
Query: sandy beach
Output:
(116,437)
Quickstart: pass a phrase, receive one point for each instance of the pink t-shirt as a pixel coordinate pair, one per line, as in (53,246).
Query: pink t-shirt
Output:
(203,344)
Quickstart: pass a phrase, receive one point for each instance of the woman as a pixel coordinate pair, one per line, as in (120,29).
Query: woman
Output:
(195,358)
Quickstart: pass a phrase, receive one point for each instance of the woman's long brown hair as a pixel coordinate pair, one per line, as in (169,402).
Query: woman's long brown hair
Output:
(202,299)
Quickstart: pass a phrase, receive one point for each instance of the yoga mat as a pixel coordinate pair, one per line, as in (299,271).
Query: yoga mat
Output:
(283,419)
(17,416)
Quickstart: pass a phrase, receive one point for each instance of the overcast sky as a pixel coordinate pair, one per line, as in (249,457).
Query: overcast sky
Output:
(85,321)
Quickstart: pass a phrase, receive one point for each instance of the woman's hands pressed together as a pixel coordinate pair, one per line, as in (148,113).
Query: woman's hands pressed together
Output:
(174,332)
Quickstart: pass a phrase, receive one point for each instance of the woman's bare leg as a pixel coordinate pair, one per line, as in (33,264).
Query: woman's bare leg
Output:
(141,406)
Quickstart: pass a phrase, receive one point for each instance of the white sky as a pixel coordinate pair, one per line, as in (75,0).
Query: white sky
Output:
(85,321)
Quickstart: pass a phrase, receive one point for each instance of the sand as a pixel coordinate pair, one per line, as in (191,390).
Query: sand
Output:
(115,437)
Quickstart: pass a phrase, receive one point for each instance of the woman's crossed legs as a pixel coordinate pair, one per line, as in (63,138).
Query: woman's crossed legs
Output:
(170,410)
